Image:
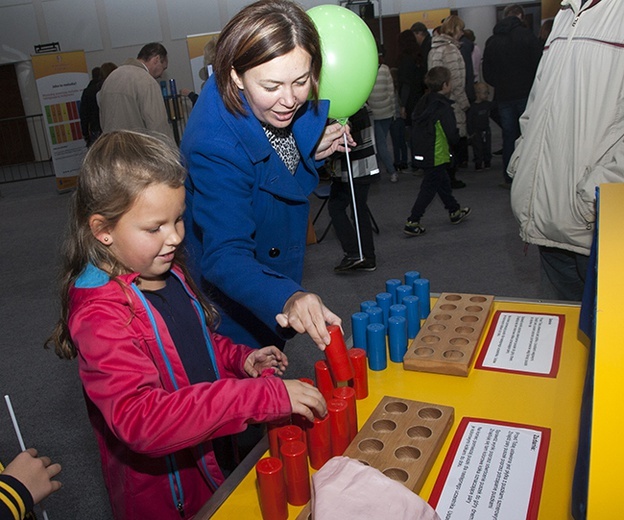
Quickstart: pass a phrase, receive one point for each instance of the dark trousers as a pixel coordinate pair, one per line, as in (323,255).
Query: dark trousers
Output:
(509,113)
(562,273)
(435,182)
(399,144)
(339,201)
(482,147)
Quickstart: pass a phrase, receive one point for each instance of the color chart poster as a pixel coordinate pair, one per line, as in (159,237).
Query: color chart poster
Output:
(61,77)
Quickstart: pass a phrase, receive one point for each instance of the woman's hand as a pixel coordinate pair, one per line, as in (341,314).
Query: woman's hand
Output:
(305,312)
(305,399)
(333,141)
(265,358)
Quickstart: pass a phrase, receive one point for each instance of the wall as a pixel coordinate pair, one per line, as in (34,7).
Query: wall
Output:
(113,30)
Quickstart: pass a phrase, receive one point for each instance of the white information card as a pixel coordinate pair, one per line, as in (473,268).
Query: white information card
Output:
(493,470)
(523,343)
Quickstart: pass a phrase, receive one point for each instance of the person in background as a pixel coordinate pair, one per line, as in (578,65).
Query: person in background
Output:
(161,386)
(510,59)
(89,103)
(364,171)
(26,481)
(131,98)
(253,145)
(381,103)
(435,132)
(410,72)
(477,55)
(572,141)
(423,38)
(397,128)
(445,53)
(478,126)
(89,111)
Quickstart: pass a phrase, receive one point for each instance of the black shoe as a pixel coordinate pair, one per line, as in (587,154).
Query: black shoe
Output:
(505,185)
(498,152)
(348,263)
(459,215)
(487,166)
(413,229)
(367,265)
(456,184)
(478,167)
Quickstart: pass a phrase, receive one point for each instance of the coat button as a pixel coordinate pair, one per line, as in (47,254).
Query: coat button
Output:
(274,252)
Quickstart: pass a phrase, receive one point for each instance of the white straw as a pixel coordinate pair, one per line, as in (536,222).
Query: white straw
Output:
(15,425)
(20,439)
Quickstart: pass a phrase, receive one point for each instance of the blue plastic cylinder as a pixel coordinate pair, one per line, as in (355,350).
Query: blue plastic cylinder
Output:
(384,300)
(413,315)
(422,291)
(410,276)
(376,341)
(397,338)
(391,286)
(375,315)
(359,322)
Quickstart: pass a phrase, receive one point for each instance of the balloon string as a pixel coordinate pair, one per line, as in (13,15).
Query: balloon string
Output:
(354,206)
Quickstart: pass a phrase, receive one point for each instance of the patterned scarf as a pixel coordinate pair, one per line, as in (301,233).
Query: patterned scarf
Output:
(283,142)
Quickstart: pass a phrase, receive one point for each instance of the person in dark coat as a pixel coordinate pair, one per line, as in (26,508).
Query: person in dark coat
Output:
(510,60)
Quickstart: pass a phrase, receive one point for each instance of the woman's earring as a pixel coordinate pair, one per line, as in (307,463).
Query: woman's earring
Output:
(106,239)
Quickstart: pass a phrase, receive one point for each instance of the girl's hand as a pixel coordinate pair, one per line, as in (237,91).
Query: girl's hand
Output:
(333,141)
(264,358)
(305,312)
(305,399)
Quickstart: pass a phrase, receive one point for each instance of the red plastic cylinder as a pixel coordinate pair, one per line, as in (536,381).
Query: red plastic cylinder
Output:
(272,489)
(347,394)
(337,410)
(296,473)
(289,433)
(272,429)
(337,356)
(360,369)
(319,442)
(324,381)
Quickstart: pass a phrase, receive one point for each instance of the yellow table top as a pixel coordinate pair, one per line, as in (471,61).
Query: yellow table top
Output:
(537,401)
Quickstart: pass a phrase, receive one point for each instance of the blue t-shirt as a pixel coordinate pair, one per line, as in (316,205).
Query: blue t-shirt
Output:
(176,308)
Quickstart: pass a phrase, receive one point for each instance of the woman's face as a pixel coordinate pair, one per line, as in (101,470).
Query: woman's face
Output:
(276,89)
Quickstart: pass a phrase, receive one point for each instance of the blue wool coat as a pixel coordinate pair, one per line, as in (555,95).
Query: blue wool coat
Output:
(246,214)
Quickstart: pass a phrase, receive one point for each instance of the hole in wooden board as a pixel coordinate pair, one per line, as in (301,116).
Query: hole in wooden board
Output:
(469,319)
(478,299)
(384,426)
(407,453)
(396,474)
(371,446)
(430,339)
(436,327)
(459,342)
(464,330)
(448,307)
(419,432)
(430,413)
(452,297)
(396,407)
(474,308)
(442,317)
(424,352)
(453,354)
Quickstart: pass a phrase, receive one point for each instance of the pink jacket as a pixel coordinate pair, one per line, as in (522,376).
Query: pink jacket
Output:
(152,426)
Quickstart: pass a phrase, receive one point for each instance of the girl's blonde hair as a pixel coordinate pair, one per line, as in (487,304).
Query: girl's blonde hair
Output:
(117,168)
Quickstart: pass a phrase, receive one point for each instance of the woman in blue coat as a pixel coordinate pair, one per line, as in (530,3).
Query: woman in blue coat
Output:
(252,146)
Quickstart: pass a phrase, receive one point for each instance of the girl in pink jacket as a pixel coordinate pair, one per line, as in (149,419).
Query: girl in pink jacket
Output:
(159,385)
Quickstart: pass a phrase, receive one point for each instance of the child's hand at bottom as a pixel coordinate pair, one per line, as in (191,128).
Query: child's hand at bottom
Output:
(36,473)
(305,399)
(265,358)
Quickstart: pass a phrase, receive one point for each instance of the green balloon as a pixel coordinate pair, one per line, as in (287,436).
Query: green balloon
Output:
(349,59)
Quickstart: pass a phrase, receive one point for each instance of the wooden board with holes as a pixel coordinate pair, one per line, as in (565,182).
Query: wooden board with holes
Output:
(402,439)
(448,339)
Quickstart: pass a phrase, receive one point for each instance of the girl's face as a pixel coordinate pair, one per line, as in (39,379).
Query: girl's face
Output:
(276,89)
(146,236)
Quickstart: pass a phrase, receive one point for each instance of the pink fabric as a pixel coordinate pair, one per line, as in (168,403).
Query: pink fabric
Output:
(346,488)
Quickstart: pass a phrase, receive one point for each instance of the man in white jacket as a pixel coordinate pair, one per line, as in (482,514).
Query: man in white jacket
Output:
(572,140)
